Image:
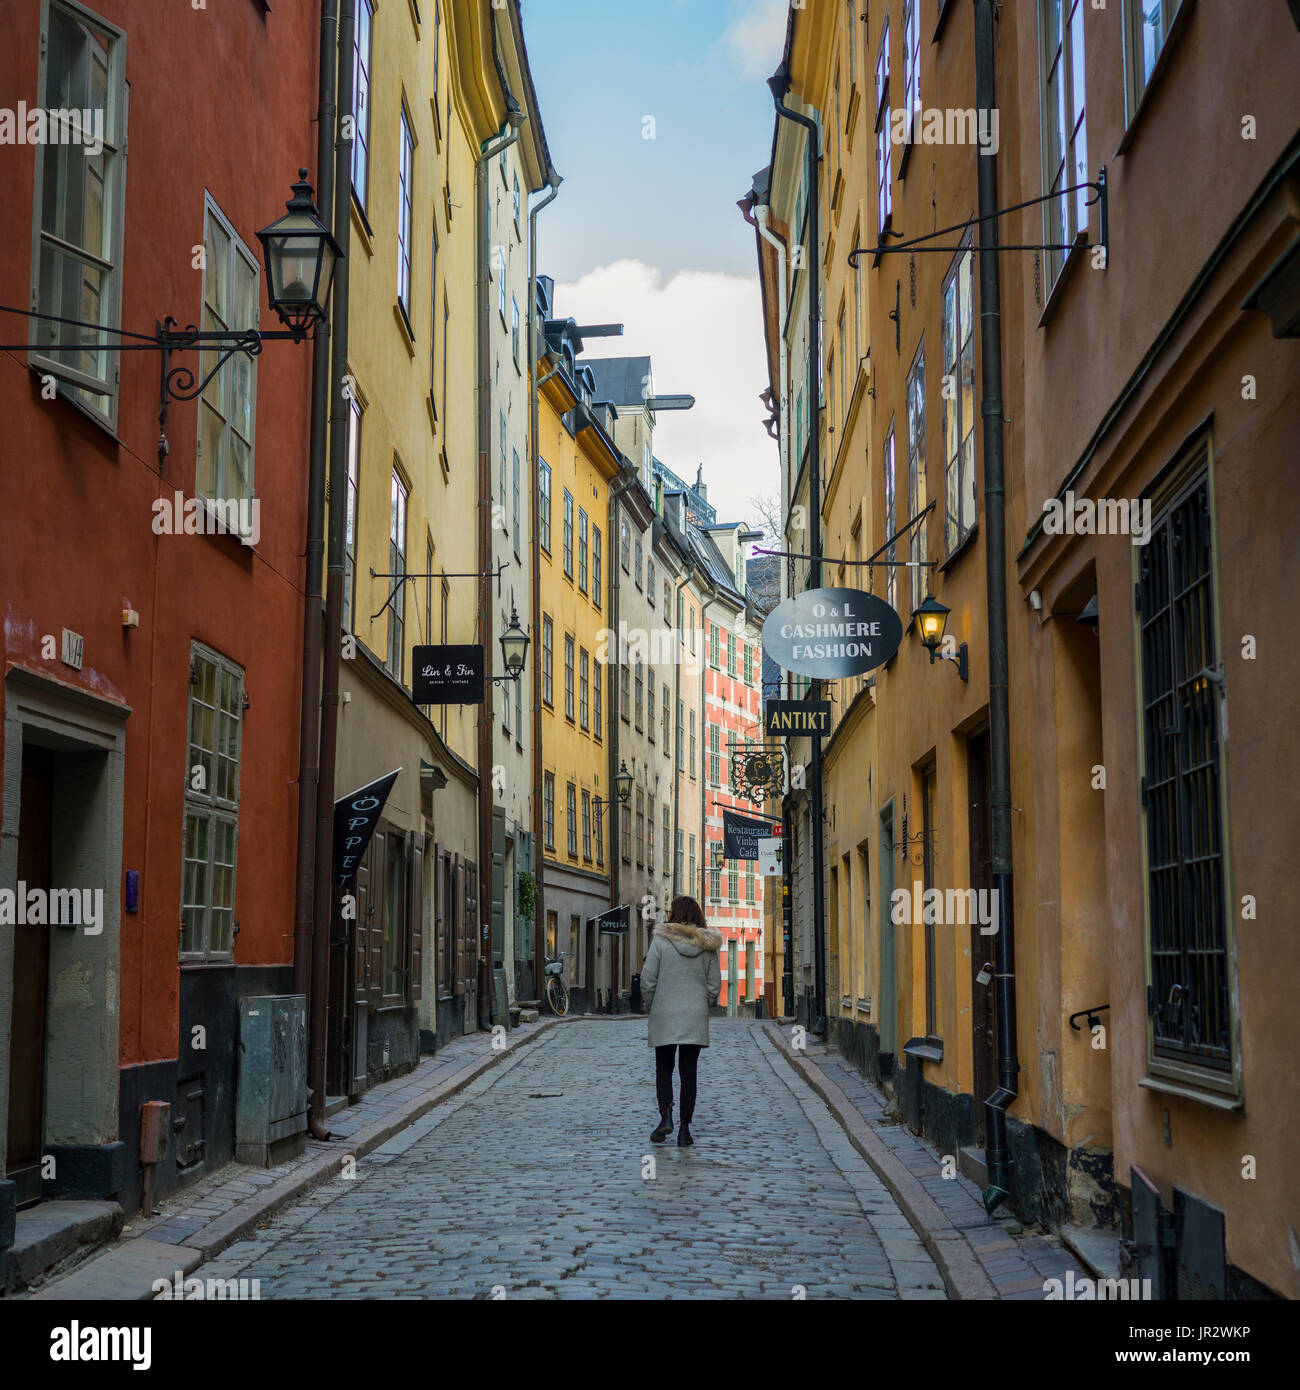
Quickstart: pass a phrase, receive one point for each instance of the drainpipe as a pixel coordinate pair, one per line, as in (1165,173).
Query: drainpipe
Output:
(488,151)
(704,818)
(534,453)
(626,480)
(780,85)
(309,717)
(758,218)
(672,724)
(323,897)
(1004,980)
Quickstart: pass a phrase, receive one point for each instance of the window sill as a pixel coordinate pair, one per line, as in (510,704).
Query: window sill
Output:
(929,1049)
(1210,1098)
(959,553)
(905,158)
(362,225)
(1069,270)
(404,323)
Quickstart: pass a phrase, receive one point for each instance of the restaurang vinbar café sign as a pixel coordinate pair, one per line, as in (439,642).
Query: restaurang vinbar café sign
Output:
(827,633)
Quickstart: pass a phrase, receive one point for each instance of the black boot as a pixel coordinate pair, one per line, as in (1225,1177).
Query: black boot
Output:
(684,1140)
(664,1127)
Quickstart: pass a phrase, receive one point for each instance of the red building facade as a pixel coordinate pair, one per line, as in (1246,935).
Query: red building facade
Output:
(152,657)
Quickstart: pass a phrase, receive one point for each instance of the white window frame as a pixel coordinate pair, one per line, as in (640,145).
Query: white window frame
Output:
(97,393)
(955,453)
(914,413)
(405,213)
(218,395)
(1060,168)
(204,803)
(361,73)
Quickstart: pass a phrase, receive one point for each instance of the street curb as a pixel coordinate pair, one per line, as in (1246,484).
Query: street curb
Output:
(962,1273)
(210,1240)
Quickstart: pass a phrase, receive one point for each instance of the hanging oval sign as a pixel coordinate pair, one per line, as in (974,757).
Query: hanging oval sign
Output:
(826,633)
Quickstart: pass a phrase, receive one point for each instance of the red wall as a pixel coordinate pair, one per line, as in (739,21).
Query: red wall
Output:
(221,99)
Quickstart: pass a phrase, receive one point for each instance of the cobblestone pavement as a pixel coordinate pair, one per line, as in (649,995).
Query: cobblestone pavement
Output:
(538,1181)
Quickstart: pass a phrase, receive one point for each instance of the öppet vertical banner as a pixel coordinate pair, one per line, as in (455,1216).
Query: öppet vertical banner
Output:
(355,818)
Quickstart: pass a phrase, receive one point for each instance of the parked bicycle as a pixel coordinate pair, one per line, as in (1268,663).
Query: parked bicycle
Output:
(557,992)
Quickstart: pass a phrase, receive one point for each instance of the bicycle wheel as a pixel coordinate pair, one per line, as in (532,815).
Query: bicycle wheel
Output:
(557,996)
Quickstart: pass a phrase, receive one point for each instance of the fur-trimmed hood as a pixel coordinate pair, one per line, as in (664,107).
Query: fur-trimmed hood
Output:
(688,940)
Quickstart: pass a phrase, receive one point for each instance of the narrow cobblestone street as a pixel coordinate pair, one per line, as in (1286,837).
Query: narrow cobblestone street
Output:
(771,1201)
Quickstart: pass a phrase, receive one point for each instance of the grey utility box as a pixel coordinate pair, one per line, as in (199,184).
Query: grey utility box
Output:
(271,1104)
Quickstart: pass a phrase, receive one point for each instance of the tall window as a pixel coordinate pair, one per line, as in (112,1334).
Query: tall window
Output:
(650,834)
(715,755)
(733,881)
(625,819)
(1065,135)
(582,550)
(544,495)
(598,701)
(515,487)
(433,307)
(749,663)
(397,567)
(405,206)
(664,842)
(691,764)
(598,828)
(891,521)
(650,707)
(624,693)
(916,488)
(362,47)
(1147,26)
(548,808)
(884,148)
(637,571)
(668,613)
(624,548)
(501,467)
(714,854)
(211,806)
(713,645)
(692,862)
(514,328)
(350,517)
(584,689)
(595,565)
(228,409)
(664,716)
(912,63)
(681,857)
(395,914)
(851,25)
(640,695)
(681,737)
(548,658)
(650,581)
(571,813)
(77,269)
(586,825)
(959,401)
(640,826)
(1189,966)
(568,533)
(568,676)
(732,641)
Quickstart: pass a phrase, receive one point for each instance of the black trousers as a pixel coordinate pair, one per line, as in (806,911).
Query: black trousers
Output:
(688,1056)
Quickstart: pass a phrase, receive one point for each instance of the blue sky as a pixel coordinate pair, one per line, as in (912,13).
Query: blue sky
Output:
(698,68)
(646,232)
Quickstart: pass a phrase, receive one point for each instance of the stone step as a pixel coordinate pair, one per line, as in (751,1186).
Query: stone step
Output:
(53,1236)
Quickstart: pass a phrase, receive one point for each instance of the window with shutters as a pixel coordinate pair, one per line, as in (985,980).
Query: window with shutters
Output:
(211,806)
(1190,980)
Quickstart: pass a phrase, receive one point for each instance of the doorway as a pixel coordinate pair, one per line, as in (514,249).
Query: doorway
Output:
(31,977)
(983,1017)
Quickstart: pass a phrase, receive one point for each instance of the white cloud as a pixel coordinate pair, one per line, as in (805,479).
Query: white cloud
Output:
(756,39)
(704,332)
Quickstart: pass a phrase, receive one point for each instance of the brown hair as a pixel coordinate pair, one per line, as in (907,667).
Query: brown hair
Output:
(687,911)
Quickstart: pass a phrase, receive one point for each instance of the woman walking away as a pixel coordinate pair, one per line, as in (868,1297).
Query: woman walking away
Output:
(680,979)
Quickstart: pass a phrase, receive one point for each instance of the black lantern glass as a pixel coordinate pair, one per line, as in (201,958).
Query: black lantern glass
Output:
(300,255)
(623,783)
(514,646)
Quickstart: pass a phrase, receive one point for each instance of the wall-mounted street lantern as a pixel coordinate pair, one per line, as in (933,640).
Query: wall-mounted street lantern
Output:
(300,256)
(622,789)
(514,649)
(931,621)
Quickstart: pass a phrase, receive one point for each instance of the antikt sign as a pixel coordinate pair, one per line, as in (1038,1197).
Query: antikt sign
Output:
(828,633)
